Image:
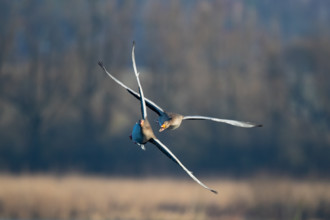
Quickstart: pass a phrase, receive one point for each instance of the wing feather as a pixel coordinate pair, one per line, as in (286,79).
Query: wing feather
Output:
(168,153)
(150,104)
(153,106)
(227,121)
(143,103)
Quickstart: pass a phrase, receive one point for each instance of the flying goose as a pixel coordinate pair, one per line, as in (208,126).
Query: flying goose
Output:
(169,120)
(143,133)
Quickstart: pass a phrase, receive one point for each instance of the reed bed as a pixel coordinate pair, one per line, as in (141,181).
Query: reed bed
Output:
(87,197)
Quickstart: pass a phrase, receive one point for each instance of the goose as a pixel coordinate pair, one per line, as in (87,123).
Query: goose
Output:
(170,120)
(142,131)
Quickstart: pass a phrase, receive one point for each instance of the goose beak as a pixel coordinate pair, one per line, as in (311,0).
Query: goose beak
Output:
(162,128)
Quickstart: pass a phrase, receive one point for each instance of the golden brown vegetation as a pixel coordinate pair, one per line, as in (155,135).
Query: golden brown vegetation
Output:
(77,197)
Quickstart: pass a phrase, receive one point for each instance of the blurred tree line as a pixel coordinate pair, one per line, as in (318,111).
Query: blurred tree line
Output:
(258,61)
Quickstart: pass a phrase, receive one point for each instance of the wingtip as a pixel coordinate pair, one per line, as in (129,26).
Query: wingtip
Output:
(133,43)
(100,64)
(259,126)
(212,190)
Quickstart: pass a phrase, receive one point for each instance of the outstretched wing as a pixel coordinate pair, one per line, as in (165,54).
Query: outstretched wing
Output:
(150,104)
(168,153)
(231,122)
(143,103)
(154,107)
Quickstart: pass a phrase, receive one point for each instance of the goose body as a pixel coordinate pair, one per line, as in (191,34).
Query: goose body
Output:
(169,120)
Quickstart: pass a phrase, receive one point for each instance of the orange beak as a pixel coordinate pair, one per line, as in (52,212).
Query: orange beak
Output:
(162,128)
(141,122)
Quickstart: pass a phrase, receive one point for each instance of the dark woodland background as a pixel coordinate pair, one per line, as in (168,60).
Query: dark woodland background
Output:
(260,61)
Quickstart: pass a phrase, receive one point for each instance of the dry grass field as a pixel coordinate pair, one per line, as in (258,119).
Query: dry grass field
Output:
(81,197)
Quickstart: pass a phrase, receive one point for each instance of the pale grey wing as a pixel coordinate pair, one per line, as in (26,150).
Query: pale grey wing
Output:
(116,80)
(158,110)
(150,104)
(231,122)
(143,103)
(168,153)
